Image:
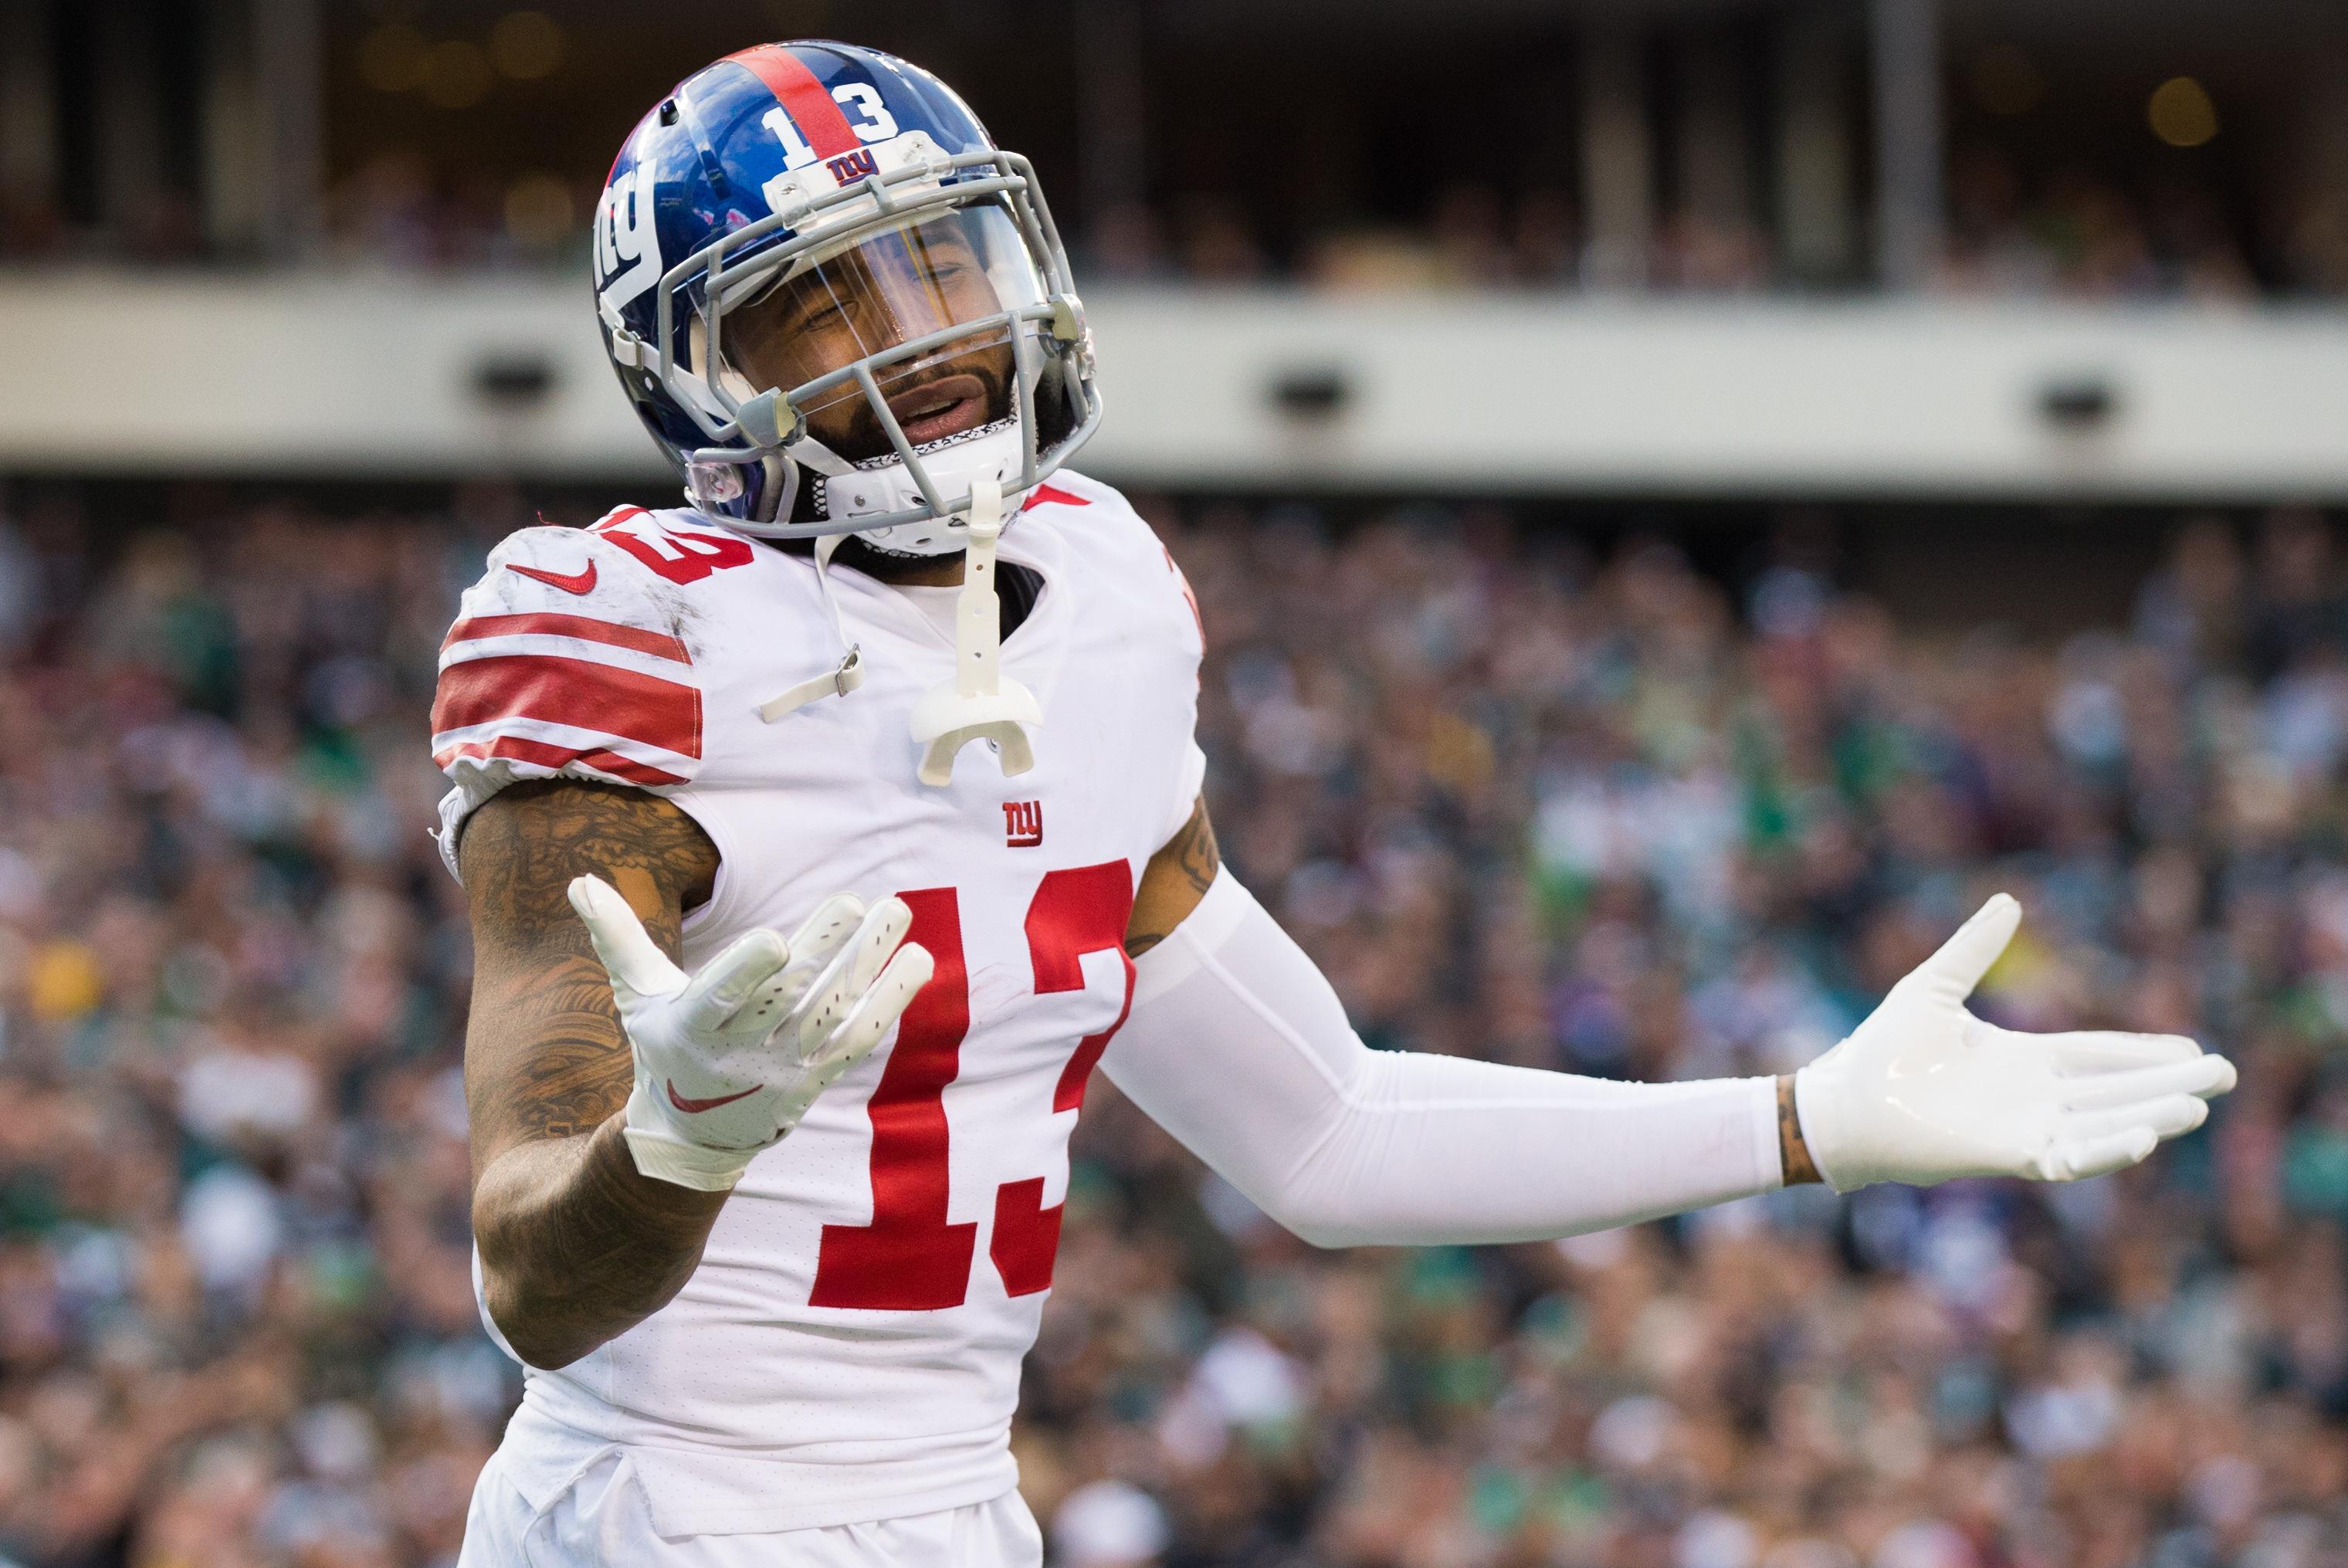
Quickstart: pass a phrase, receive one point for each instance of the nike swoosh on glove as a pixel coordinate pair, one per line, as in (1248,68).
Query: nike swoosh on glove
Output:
(729,1059)
(1923,1091)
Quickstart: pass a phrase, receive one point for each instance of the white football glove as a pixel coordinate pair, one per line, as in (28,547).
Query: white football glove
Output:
(1923,1091)
(729,1059)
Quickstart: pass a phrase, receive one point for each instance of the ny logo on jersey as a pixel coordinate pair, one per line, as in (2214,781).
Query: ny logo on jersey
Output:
(1023,824)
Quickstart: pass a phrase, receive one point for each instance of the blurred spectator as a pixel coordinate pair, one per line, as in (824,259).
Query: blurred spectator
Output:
(1126,243)
(2315,243)
(1470,237)
(1213,242)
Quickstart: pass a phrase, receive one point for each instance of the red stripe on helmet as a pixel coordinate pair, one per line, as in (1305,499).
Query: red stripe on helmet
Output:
(802,96)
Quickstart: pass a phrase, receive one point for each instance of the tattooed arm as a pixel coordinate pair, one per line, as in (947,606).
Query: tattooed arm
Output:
(1176,879)
(576,1246)
(1793,1149)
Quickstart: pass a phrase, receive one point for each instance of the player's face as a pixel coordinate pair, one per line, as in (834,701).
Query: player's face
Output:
(886,290)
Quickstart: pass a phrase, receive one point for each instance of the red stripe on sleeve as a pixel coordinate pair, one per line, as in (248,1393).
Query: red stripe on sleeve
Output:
(613,518)
(1053,495)
(585,627)
(557,756)
(621,767)
(577,692)
(803,98)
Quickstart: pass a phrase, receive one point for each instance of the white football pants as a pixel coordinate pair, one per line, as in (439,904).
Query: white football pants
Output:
(600,1521)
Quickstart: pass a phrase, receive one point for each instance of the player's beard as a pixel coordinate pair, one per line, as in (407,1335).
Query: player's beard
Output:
(861,438)
(1054,421)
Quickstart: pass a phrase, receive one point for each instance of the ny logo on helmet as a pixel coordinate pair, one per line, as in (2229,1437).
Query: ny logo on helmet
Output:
(854,165)
(627,242)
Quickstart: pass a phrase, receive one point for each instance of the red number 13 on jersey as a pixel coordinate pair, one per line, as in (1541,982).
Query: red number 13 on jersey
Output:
(909,1258)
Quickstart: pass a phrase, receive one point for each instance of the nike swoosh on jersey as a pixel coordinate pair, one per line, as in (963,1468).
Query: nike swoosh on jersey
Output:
(693,1107)
(574,582)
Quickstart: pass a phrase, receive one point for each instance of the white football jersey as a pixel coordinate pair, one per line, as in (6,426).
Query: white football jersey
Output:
(850,1349)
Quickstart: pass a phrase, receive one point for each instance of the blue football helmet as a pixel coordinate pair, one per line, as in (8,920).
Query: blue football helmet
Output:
(835,302)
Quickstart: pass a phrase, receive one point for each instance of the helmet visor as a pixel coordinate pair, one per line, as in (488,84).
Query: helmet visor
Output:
(966,268)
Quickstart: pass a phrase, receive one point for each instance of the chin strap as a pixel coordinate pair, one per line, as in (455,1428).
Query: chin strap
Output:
(979,703)
(839,681)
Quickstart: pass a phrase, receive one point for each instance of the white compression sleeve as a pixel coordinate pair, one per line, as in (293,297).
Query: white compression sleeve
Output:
(1239,1048)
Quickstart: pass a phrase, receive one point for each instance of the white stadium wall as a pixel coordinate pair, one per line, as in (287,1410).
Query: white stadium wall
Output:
(419,376)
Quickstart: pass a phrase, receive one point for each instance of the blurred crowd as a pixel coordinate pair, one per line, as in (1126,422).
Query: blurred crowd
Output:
(1574,808)
(2068,233)
(2078,236)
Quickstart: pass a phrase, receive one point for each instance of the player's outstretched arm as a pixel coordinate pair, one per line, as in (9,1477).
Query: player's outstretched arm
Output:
(614,1101)
(1238,1046)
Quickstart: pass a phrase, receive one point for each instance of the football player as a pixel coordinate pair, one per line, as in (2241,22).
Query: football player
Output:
(821,836)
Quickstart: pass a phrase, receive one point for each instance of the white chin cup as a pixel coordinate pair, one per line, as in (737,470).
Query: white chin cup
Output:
(998,455)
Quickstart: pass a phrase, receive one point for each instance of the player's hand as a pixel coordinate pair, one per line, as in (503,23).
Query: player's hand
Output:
(1923,1091)
(729,1059)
